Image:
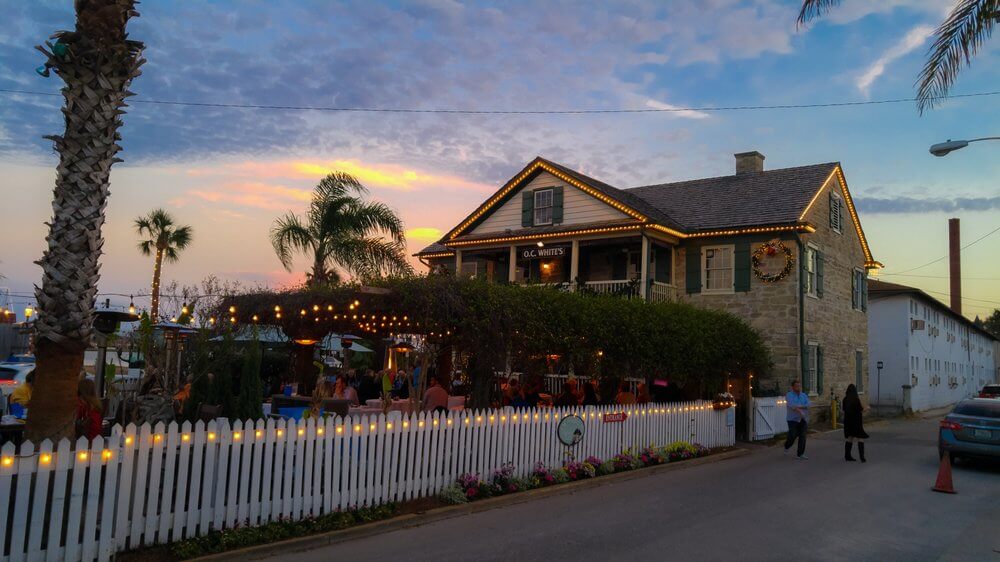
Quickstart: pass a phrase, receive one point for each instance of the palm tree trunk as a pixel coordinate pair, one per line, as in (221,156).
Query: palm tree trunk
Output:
(155,297)
(97,63)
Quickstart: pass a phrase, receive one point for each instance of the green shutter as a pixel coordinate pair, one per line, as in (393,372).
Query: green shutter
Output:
(840,213)
(557,204)
(833,211)
(864,291)
(819,370)
(859,359)
(854,291)
(741,282)
(805,369)
(527,208)
(692,270)
(819,274)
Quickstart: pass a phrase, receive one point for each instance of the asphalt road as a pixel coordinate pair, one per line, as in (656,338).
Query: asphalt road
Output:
(763,506)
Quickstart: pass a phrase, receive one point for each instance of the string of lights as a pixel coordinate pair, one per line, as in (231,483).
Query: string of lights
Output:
(455,111)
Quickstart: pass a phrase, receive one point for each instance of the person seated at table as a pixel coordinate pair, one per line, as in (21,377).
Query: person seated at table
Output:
(436,397)
(88,410)
(344,391)
(369,387)
(590,394)
(641,394)
(22,394)
(568,395)
(624,396)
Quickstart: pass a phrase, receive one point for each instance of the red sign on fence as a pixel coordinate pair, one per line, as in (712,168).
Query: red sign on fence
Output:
(616,417)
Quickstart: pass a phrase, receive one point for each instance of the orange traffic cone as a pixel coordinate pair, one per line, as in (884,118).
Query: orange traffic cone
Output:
(943,483)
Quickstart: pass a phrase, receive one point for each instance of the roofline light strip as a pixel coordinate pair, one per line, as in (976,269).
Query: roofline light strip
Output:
(803,227)
(586,231)
(857,221)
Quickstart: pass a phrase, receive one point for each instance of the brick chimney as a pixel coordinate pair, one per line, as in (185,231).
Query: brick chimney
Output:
(749,162)
(955,265)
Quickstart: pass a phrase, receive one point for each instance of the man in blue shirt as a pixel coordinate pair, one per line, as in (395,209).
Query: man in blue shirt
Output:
(797,406)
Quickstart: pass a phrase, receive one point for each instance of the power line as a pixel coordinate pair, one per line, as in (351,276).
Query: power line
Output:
(514,111)
(997,229)
(964,278)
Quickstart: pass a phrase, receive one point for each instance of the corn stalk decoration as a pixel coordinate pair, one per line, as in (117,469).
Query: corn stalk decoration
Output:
(97,62)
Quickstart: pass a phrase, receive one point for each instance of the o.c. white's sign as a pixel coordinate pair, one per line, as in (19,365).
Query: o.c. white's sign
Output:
(537,253)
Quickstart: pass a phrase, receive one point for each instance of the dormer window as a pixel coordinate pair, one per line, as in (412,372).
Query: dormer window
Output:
(543,207)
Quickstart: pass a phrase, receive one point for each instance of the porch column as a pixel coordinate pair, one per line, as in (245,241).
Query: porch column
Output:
(644,269)
(512,265)
(458,263)
(574,264)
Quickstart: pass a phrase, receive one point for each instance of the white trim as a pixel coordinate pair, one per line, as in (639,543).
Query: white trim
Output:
(732,268)
(811,289)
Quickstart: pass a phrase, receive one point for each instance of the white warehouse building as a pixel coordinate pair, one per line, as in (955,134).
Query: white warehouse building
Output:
(922,344)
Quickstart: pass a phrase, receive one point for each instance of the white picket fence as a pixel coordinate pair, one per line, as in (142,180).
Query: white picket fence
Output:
(154,485)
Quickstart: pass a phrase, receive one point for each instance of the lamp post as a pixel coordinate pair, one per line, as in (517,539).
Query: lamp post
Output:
(878,384)
(943,148)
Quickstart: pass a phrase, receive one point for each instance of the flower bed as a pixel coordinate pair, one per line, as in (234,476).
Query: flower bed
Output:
(470,487)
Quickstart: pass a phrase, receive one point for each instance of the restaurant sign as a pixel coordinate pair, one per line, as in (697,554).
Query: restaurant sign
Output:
(541,253)
(616,417)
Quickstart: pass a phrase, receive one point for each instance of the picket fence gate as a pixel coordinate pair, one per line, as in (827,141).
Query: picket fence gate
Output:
(86,501)
(768,417)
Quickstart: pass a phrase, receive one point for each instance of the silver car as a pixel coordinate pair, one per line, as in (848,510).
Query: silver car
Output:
(972,429)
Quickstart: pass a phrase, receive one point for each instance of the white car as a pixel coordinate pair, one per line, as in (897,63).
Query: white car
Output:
(12,375)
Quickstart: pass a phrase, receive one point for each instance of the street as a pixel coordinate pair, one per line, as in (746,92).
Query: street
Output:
(764,506)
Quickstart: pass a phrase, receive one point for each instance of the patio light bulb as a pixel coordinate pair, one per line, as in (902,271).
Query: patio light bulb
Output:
(184,308)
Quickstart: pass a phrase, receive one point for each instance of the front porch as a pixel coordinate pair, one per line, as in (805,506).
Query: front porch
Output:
(630,267)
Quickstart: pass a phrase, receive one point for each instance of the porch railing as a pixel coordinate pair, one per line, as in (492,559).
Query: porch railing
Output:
(662,292)
(619,287)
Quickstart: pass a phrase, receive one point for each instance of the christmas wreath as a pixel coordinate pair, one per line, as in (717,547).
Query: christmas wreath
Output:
(770,249)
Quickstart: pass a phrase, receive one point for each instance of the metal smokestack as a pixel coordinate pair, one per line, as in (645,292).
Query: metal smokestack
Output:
(955,265)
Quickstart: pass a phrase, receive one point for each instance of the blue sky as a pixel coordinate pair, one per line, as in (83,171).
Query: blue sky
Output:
(229,173)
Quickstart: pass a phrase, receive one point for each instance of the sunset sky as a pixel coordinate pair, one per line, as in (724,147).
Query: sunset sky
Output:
(230,172)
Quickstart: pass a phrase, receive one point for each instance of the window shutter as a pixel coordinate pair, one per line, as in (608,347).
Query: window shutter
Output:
(864,292)
(855,305)
(692,270)
(840,213)
(527,208)
(805,369)
(859,359)
(819,274)
(819,370)
(741,267)
(557,204)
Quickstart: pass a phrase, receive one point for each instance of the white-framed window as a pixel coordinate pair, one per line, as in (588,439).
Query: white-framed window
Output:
(543,207)
(858,294)
(718,269)
(470,269)
(836,212)
(810,270)
(813,368)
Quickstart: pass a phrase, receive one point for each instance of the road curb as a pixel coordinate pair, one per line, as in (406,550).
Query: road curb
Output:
(411,520)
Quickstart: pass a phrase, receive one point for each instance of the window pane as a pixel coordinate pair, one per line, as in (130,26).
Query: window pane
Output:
(543,198)
(543,215)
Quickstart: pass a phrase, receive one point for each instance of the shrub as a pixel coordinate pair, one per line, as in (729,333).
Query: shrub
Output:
(453,495)
(580,470)
(651,456)
(625,461)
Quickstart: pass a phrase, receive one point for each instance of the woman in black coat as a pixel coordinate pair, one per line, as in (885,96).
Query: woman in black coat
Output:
(853,428)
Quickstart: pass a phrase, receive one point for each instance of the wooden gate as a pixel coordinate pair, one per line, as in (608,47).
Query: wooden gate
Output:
(768,418)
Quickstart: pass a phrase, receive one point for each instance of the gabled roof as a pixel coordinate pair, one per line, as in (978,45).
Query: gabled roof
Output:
(883,289)
(767,201)
(750,199)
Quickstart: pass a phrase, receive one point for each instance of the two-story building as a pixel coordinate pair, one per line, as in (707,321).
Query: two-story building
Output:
(925,349)
(783,249)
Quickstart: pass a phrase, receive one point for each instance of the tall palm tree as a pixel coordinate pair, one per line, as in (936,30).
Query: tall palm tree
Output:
(342,234)
(164,239)
(97,62)
(956,40)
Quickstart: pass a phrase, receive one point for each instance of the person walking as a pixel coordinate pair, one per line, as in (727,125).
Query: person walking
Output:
(797,408)
(853,427)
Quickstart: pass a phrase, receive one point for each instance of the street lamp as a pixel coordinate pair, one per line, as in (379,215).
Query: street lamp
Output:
(943,148)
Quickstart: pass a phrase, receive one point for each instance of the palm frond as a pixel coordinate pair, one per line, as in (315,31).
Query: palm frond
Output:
(371,257)
(170,254)
(956,42)
(180,237)
(339,184)
(146,247)
(371,218)
(812,9)
(289,234)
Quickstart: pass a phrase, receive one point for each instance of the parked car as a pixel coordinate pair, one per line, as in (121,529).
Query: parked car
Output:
(972,429)
(990,391)
(12,375)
